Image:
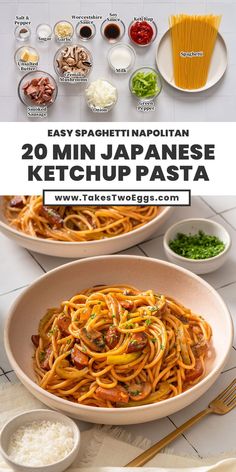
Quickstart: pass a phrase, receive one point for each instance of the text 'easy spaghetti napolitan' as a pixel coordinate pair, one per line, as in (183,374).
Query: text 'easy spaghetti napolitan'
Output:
(74,223)
(113,346)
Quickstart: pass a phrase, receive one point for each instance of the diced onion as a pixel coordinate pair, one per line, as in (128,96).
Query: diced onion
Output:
(101,94)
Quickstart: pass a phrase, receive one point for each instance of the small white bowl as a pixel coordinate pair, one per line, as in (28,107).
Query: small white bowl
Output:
(192,226)
(39,415)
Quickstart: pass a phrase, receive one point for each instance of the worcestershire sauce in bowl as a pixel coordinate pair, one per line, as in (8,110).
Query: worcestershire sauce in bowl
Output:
(85,32)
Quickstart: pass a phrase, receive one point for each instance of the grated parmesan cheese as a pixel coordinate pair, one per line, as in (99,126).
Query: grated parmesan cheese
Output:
(40,443)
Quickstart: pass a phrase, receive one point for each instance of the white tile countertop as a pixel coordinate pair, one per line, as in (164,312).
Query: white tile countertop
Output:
(216,104)
(19,268)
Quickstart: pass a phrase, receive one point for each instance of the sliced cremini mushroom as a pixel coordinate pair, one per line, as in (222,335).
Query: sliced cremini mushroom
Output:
(139,391)
(93,339)
(74,60)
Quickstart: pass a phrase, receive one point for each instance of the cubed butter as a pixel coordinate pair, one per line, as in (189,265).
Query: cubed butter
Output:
(33,58)
(25,55)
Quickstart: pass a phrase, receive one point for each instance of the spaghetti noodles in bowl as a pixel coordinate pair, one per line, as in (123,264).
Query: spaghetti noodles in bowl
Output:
(114,346)
(63,283)
(74,223)
(92,234)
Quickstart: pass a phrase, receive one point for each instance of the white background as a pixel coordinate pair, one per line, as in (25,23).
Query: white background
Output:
(216,104)
(13,177)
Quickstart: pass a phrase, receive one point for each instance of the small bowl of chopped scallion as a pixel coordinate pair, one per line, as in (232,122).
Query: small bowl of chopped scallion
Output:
(145,84)
(197,244)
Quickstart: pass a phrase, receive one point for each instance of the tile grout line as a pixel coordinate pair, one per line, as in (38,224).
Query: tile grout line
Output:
(226,285)
(142,250)
(206,203)
(13,290)
(5,373)
(226,221)
(215,211)
(152,238)
(37,262)
(183,435)
(228,209)
(228,370)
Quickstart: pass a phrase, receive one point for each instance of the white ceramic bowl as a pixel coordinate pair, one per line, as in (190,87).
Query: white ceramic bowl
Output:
(192,226)
(84,249)
(144,273)
(38,415)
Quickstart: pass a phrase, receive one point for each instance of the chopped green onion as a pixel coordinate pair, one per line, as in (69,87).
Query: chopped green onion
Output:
(196,246)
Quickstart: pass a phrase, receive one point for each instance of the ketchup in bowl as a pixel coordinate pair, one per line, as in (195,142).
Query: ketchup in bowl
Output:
(142,33)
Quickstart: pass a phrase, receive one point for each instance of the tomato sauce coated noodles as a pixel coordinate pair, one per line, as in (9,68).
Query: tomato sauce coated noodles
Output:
(74,223)
(117,346)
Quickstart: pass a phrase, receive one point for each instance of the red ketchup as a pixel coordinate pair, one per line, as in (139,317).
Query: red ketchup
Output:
(141,32)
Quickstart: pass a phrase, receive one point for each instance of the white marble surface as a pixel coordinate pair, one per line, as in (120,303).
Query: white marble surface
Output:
(213,435)
(216,104)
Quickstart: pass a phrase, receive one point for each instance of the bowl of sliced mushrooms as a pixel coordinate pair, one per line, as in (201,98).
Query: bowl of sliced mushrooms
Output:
(73,63)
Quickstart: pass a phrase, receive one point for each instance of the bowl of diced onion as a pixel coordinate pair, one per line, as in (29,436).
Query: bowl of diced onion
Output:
(42,440)
(101,96)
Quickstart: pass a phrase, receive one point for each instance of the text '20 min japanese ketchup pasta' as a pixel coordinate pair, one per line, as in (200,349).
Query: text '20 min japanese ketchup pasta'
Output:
(74,223)
(116,346)
(193,41)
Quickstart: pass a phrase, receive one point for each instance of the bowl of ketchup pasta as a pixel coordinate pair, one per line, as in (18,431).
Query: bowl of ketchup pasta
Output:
(77,231)
(118,339)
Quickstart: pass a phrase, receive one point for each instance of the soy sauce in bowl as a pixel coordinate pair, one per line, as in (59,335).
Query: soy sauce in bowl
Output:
(112,30)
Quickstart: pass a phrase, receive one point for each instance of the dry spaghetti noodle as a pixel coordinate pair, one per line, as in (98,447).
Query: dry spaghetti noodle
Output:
(113,346)
(193,42)
(74,223)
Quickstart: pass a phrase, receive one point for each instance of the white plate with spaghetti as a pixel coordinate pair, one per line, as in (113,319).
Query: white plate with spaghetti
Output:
(217,69)
(107,244)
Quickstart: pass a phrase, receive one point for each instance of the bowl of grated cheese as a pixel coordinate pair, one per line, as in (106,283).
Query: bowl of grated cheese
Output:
(42,440)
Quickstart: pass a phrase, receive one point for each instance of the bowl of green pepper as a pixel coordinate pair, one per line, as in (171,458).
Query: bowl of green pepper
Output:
(197,244)
(145,84)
